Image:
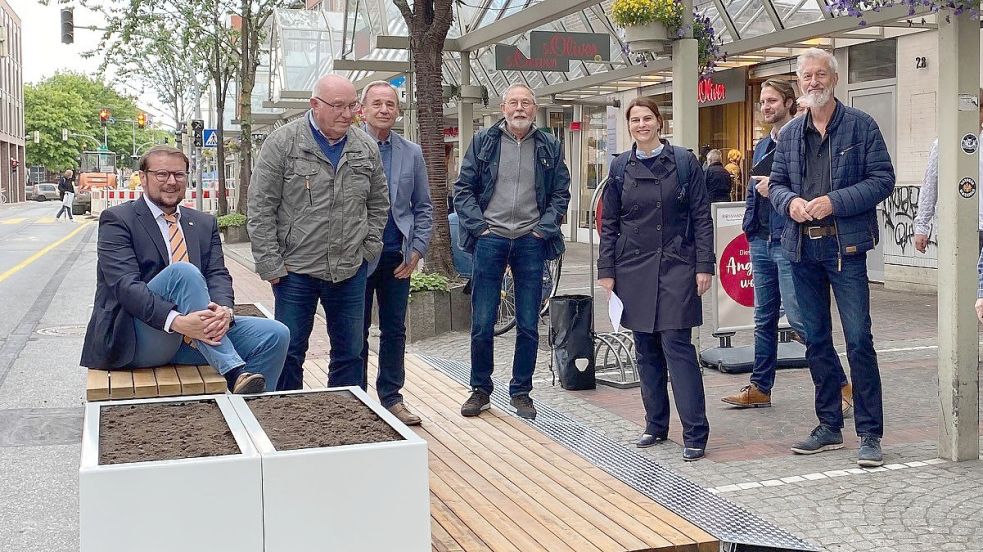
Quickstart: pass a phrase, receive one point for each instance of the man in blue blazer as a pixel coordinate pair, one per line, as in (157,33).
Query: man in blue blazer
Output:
(405,240)
(163,294)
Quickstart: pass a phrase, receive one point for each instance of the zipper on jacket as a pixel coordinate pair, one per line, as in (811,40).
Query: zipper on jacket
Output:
(836,228)
(307,184)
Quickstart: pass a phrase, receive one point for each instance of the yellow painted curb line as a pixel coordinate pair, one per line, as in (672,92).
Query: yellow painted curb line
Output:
(21,265)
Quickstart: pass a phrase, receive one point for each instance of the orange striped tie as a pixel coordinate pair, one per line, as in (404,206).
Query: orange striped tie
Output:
(179,249)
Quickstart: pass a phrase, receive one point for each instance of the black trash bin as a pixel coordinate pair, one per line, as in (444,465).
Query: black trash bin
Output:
(572,341)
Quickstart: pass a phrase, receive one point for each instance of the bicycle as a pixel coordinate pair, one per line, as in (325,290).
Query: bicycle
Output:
(506,308)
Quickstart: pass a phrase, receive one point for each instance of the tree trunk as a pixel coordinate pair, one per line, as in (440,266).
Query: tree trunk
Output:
(247,79)
(430,117)
(223,202)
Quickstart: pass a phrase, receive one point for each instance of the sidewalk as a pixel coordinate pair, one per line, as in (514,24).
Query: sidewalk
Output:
(915,503)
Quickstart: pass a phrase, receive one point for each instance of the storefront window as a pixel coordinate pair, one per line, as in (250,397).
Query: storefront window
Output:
(595,158)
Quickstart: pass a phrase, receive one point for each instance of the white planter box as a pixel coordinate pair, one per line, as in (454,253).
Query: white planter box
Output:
(651,37)
(365,498)
(196,504)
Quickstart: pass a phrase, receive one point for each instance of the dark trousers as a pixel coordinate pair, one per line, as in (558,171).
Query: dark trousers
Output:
(393,294)
(525,256)
(774,292)
(814,276)
(672,349)
(296,297)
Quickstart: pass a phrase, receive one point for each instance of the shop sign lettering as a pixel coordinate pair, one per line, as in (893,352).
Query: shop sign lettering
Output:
(709,91)
(550,51)
(735,271)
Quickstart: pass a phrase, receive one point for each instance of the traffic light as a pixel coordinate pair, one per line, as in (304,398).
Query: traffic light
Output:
(198,128)
(104,115)
(141,120)
(68,25)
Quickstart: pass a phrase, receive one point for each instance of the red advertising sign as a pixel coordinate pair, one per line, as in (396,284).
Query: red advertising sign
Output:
(734,271)
(709,91)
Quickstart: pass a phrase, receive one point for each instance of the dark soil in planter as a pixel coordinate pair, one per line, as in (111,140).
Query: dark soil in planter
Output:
(248,310)
(163,431)
(315,420)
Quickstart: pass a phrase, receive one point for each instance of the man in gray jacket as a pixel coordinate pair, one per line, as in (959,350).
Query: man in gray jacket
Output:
(318,203)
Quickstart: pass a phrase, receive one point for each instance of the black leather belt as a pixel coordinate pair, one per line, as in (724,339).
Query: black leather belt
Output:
(816,232)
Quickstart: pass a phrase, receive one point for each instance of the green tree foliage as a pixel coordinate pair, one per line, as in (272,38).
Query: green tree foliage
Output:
(73,101)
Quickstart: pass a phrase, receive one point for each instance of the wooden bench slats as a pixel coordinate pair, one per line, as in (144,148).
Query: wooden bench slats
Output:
(533,462)
(97,385)
(120,384)
(498,448)
(168,384)
(191,383)
(144,383)
(214,382)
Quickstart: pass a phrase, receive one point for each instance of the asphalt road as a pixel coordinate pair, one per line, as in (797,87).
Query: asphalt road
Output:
(47,276)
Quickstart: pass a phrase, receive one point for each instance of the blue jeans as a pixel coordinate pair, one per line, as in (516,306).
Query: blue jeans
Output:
(813,276)
(393,294)
(773,291)
(344,305)
(672,352)
(254,345)
(525,256)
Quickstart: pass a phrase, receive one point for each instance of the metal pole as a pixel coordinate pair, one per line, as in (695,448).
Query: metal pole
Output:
(685,78)
(105,136)
(465,111)
(958,86)
(200,195)
(133,125)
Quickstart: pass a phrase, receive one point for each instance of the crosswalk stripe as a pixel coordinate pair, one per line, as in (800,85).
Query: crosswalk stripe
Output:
(13,220)
(46,220)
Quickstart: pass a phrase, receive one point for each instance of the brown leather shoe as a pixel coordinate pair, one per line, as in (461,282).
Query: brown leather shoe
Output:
(248,383)
(749,397)
(847,401)
(400,411)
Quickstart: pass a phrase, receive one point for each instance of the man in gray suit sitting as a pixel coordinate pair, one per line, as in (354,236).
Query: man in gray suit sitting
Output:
(405,240)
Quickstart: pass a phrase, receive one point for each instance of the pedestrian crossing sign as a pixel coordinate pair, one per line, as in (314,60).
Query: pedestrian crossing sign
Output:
(211,138)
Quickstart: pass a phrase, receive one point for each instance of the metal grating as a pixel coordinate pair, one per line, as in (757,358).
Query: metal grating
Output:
(726,521)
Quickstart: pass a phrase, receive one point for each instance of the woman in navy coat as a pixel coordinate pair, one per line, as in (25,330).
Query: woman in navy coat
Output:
(656,254)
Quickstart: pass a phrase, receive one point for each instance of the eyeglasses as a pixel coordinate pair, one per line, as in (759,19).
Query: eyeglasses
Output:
(163,176)
(516,103)
(353,107)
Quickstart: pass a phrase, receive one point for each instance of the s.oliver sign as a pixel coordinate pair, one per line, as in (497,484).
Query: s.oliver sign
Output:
(551,51)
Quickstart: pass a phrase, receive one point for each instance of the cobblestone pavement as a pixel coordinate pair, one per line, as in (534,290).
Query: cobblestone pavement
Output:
(915,503)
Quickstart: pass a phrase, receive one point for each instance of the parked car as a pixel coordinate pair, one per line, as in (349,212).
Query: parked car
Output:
(45,191)
(82,202)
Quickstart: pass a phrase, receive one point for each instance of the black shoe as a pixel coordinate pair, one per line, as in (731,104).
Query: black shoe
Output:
(869,455)
(693,454)
(648,440)
(477,402)
(822,438)
(524,407)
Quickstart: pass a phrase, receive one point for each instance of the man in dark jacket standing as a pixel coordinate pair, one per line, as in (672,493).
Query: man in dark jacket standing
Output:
(512,191)
(718,180)
(773,287)
(831,169)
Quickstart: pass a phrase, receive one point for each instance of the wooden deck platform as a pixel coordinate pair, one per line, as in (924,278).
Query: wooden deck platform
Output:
(498,484)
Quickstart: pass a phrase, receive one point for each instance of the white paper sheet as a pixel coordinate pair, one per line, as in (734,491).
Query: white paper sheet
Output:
(615,309)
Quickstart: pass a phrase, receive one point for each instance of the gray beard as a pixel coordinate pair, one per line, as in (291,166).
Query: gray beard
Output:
(813,100)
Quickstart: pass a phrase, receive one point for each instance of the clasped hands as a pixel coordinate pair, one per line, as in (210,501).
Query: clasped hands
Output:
(803,211)
(208,326)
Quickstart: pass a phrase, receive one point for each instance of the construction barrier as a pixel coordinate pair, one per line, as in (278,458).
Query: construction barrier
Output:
(103,199)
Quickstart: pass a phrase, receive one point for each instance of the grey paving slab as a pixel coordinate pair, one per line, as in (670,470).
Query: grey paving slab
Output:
(39,509)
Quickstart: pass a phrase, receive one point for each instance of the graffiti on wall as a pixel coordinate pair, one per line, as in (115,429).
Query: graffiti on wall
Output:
(899,221)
